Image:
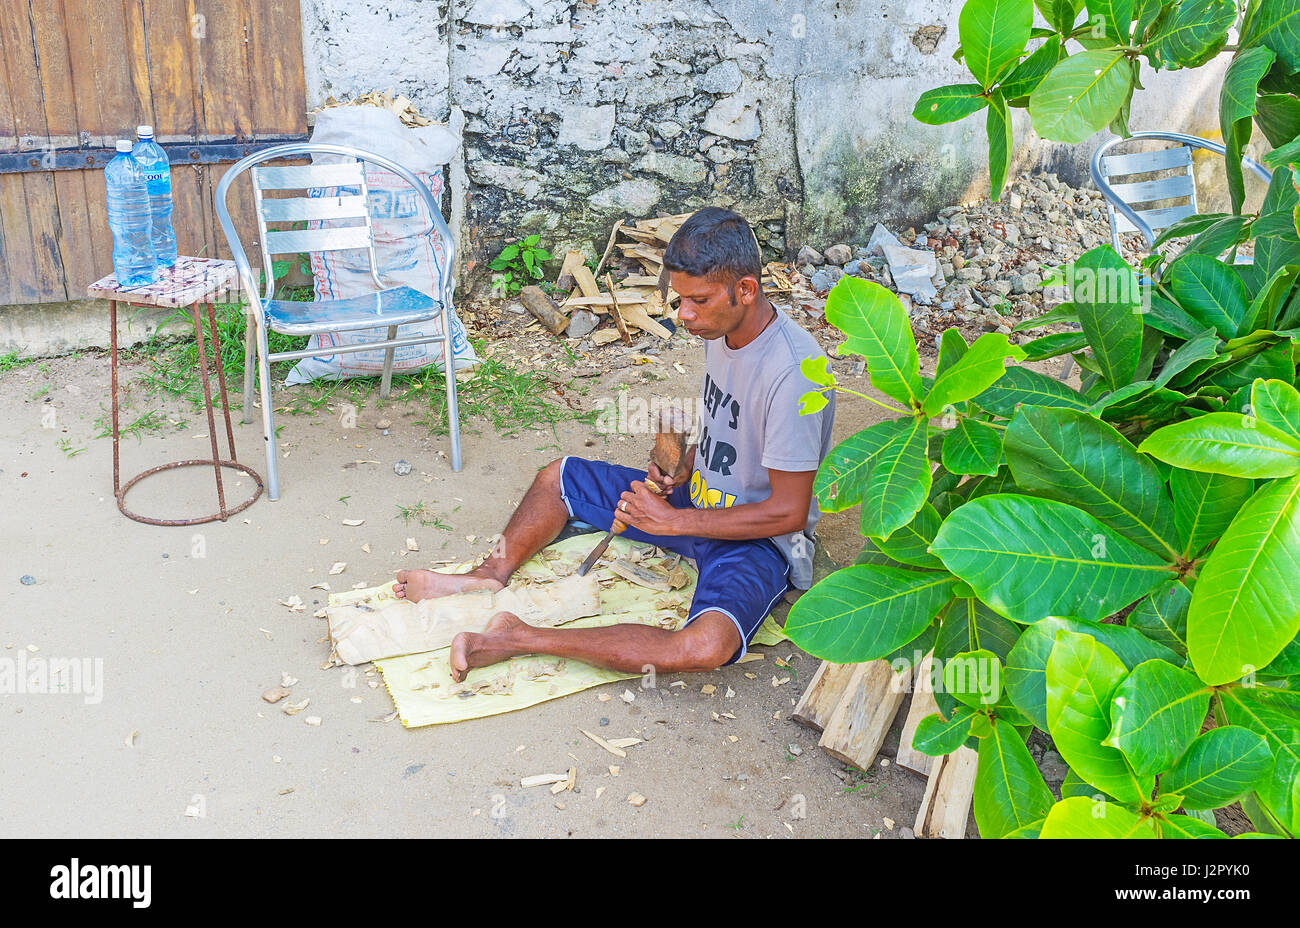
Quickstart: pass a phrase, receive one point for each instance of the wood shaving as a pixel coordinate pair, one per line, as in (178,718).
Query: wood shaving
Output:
(624,742)
(617,752)
(542,779)
(354,522)
(287,679)
(708,689)
(338,567)
(294,603)
(313,720)
(293,708)
(275,694)
(412,545)
(636,799)
(130,739)
(614,770)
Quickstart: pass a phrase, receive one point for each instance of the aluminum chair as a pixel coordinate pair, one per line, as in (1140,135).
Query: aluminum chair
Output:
(388,306)
(1122,199)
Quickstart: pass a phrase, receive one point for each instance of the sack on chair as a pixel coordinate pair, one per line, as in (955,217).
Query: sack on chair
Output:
(407,248)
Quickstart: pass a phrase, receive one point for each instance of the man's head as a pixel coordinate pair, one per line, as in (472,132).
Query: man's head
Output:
(714,263)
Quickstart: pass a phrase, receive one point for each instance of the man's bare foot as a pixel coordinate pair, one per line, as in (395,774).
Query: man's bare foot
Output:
(416,585)
(475,649)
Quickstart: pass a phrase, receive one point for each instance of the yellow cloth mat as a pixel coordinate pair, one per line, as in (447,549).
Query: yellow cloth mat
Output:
(425,694)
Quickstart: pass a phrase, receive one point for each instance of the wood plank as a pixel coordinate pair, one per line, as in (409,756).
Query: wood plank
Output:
(923,704)
(189,217)
(76,249)
(18,55)
(101,70)
(55,78)
(822,695)
(224,90)
(586,281)
(101,237)
(564,281)
(279,88)
(80,29)
(136,48)
(42,207)
(8,127)
(173,39)
(945,808)
(18,284)
(858,725)
(635,314)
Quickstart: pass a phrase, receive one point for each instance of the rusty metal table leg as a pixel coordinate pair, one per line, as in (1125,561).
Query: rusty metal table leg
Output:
(221,379)
(112,339)
(207,403)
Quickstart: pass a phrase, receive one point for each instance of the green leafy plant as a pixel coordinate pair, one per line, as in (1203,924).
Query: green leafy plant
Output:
(1110,565)
(1072,92)
(1114,561)
(517,264)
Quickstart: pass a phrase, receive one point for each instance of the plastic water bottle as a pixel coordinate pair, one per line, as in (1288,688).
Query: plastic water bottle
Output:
(158,177)
(128,217)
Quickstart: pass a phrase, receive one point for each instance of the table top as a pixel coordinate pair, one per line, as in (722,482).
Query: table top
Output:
(188,281)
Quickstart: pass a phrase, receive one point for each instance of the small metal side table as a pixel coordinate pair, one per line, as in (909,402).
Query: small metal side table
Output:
(189,282)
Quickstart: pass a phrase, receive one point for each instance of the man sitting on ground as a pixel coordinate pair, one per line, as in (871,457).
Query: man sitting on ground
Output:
(747,513)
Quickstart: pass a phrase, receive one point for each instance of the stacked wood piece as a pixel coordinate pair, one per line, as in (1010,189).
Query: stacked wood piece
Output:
(642,296)
(854,705)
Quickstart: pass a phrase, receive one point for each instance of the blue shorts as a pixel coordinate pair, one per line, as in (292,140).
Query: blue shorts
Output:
(741,579)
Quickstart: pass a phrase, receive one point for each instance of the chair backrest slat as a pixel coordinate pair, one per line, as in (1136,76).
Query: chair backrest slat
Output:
(1156,218)
(1163,188)
(295,209)
(303,176)
(1141,162)
(313,240)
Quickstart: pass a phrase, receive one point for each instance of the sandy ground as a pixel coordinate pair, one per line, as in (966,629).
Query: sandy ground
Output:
(187,626)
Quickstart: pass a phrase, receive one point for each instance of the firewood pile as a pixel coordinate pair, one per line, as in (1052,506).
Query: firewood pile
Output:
(628,287)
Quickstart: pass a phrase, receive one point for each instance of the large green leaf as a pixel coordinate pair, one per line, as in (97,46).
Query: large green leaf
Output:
(1081,95)
(1192,35)
(1067,455)
(863,612)
(1001,140)
(972,447)
(970,625)
(1205,505)
(1054,345)
(1080,817)
(1116,19)
(1219,768)
(899,482)
(1010,793)
(1209,291)
(878,329)
(1162,616)
(1246,605)
(1186,826)
(1236,109)
(1272,361)
(993,36)
(1226,443)
(973,678)
(1030,72)
(910,543)
(1107,298)
(936,736)
(1029,558)
(1264,308)
(1156,712)
(842,477)
(982,365)
(1202,347)
(1278,115)
(951,349)
(1021,385)
(1278,404)
(949,103)
(1274,24)
(1026,663)
(1160,312)
(1082,679)
(1263,711)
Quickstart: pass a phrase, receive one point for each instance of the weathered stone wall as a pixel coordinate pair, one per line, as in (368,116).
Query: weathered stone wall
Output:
(797,114)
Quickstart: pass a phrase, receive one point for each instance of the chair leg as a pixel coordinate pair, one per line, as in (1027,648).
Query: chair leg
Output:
(453,412)
(250,360)
(386,382)
(268,418)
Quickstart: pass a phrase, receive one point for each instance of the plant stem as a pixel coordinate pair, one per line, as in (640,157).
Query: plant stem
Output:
(869,399)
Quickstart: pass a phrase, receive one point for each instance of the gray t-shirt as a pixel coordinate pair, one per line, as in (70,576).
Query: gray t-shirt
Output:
(749,422)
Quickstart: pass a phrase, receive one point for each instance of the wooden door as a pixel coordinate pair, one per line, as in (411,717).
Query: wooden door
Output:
(215,78)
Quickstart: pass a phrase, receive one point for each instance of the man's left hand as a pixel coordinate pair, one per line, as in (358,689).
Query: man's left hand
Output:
(652,514)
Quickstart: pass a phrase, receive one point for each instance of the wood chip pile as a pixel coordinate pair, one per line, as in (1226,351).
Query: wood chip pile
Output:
(629,285)
(400,105)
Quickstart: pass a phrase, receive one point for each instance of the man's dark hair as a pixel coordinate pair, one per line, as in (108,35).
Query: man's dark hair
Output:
(715,244)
